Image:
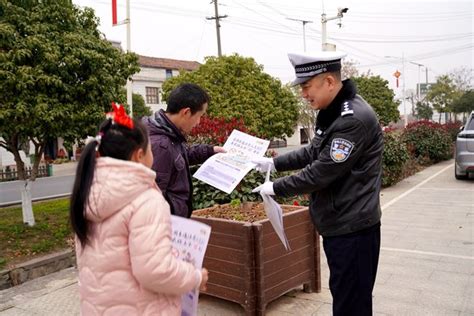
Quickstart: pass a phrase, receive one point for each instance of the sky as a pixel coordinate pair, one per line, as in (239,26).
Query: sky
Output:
(381,36)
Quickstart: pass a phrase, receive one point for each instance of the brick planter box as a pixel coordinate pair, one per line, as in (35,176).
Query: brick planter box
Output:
(249,265)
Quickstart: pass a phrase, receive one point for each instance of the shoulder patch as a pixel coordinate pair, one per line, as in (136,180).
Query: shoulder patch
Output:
(340,149)
(347,109)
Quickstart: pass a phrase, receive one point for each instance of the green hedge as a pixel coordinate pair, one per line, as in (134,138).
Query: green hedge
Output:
(395,157)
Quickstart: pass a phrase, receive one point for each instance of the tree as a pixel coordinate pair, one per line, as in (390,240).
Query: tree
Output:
(465,104)
(376,92)
(140,109)
(239,88)
(306,115)
(442,94)
(423,110)
(349,69)
(462,78)
(58,75)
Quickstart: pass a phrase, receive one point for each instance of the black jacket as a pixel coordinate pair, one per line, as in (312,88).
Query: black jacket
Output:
(341,167)
(171,159)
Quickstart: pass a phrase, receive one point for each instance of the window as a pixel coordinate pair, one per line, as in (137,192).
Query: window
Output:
(152,95)
(169,73)
(304,135)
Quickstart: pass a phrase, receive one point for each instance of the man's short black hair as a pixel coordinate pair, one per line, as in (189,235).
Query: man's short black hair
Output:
(187,95)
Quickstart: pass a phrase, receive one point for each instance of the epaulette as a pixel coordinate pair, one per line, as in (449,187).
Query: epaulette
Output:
(347,109)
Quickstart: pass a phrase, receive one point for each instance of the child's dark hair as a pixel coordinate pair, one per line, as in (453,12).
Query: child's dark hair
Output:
(187,95)
(117,141)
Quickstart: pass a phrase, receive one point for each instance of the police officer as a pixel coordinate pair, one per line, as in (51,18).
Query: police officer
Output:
(341,168)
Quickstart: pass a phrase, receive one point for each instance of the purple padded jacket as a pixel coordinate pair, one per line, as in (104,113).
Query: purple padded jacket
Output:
(172,157)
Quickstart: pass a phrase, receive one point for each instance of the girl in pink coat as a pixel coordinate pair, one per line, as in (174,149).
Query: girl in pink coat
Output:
(123,231)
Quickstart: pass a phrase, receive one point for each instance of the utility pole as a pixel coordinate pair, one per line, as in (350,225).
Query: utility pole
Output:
(217,17)
(324,19)
(403,91)
(304,30)
(129,49)
(129,45)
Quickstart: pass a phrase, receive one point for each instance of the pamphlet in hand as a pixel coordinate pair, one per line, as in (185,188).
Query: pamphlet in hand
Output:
(224,171)
(275,215)
(190,240)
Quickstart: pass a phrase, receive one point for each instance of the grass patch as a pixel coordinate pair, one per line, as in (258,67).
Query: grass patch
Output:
(20,243)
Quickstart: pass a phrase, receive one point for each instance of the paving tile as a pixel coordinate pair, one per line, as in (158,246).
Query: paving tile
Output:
(293,306)
(404,270)
(389,306)
(324,310)
(399,294)
(15,311)
(451,278)
(440,301)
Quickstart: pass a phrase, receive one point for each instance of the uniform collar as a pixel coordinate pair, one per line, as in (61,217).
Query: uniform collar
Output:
(333,111)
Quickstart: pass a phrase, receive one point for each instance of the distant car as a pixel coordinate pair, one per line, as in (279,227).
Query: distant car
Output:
(464,156)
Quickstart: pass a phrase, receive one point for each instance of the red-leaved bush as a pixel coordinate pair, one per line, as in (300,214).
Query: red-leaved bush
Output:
(215,130)
(428,142)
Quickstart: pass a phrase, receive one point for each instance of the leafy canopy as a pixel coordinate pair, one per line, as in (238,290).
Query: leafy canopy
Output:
(464,104)
(442,94)
(58,74)
(240,89)
(376,92)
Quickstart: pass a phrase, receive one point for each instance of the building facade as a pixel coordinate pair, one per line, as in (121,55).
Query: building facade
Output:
(153,72)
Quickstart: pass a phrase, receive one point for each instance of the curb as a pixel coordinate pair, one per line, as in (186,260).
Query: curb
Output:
(36,268)
(38,199)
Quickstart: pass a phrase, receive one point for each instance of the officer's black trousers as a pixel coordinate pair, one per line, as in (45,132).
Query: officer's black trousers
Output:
(353,260)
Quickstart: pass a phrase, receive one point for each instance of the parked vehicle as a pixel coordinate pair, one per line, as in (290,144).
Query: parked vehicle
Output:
(464,156)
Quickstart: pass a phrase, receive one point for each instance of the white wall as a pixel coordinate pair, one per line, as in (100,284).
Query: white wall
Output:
(295,139)
(7,158)
(150,77)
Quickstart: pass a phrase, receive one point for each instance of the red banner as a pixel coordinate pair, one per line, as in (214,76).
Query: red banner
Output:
(114,12)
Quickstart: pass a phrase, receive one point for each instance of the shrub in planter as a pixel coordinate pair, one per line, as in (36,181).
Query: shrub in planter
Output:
(205,195)
(246,260)
(428,142)
(215,130)
(395,157)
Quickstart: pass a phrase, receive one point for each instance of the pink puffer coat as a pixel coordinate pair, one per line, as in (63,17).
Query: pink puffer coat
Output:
(128,267)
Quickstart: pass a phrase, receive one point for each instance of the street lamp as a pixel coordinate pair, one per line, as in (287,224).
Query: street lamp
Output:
(405,114)
(304,31)
(418,90)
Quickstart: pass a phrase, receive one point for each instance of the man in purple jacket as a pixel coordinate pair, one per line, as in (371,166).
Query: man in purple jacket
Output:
(172,156)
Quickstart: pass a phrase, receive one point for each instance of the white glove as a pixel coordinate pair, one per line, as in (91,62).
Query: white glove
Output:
(263,163)
(266,188)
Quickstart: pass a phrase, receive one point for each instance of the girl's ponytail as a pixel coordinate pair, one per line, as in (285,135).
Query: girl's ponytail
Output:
(80,192)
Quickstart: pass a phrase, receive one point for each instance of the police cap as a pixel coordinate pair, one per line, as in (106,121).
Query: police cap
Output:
(307,66)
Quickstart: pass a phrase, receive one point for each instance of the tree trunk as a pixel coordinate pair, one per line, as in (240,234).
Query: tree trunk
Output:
(39,150)
(27,209)
(13,147)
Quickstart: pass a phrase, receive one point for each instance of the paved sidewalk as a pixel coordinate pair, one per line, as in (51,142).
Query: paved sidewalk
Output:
(426,261)
(64,169)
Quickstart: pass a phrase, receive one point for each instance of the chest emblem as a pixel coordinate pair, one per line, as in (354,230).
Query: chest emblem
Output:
(340,149)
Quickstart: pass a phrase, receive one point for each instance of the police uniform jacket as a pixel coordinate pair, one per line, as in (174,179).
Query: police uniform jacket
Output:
(341,168)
